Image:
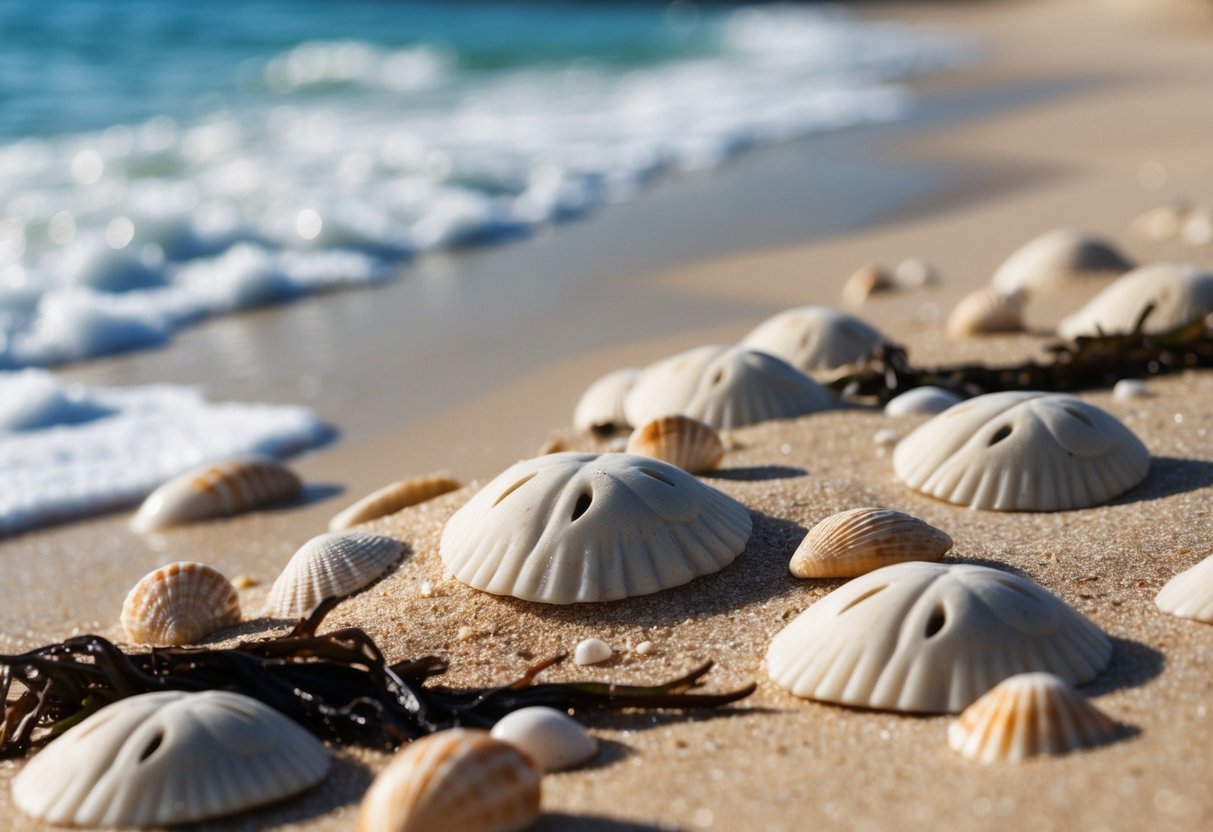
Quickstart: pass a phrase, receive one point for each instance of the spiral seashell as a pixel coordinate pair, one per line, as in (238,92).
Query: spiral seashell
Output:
(181,603)
(553,739)
(1028,715)
(1190,593)
(218,490)
(853,542)
(330,565)
(456,781)
(679,440)
(1178,294)
(987,311)
(393,498)
(1057,257)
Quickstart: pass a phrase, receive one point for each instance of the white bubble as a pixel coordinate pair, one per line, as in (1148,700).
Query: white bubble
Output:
(87,166)
(308,224)
(119,232)
(61,229)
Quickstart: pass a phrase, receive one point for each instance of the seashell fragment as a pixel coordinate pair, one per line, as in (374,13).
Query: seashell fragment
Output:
(815,338)
(458,780)
(853,542)
(160,759)
(600,407)
(1178,293)
(1190,593)
(218,490)
(551,738)
(922,400)
(592,651)
(865,282)
(679,440)
(1022,451)
(1028,715)
(330,565)
(395,497)
(181,603)
(986,311)
(1056,257)
(565,528)
(931,638)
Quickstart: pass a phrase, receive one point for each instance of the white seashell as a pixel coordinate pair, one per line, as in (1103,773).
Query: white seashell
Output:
(860,540)
(1190,593)
(1057,257)
(679,440)
(865,282)
(815,338)
(931,638)
(726,387)
(395,497)
(454,781)
(160,759)
(551,738)
(646,648)
(592,651)
(986,311)
(913,273)
(565,528)
(1022,451)
(600,407)
(1028,715)
(922,400)
(330,565)
(1130,388)
(217,490)
(181,603)
(1179,294)
(1161,224)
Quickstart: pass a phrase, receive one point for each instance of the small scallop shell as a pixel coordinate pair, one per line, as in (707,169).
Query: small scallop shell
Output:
(679,440)
(1028,715)
(600,407)
(986,311)
(181,603)
(1190,593)
(392,498)
(853,542)
(455,781)
(920,400)
(1178,293)
(1057,257)
(553,739)
(866,281)
(330,565)
(218,490)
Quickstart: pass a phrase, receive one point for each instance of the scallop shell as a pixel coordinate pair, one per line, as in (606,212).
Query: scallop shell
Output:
(553,739)
(1190,593)
(1022,451)
(392,498)
(986,311)
(853,542)
(600,407)
(1179,294)
(566,528)
(330,565)
(1056,257)
(456,781)
(218,490)
(166,758)
(865,282)
(181,603)
(679,440)
(930,400)
(931,638)
(1028,715)
(815,338)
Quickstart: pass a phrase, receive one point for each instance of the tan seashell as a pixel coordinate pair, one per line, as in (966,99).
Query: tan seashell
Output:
(393,498)
(986,311)
(815,338)
(853,542)
(330,565)
(1190,593)
(679,440)
(1028,715)
(1057,257)
(865,282)
(455,781)
(1178,293)
(218,490)
(181,603)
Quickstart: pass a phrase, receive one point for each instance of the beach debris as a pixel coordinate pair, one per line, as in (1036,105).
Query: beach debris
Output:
(913,273)
(987,311)
(592,651)
(181,603)
(1190,593)
(332,565)
(1057,257)
(1174,294)
(568,528)
(815,338)
(1022,451)
(1130,388)
(1161,224)
(219,489)
(865,282)
(600,408)
(1026,716)
(931,638)
(168,758)
(688,443)
(922,400)
(394,497)
(457,781)
(859,540)
(553,739)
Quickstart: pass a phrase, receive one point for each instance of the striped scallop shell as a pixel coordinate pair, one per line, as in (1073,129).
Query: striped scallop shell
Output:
(1057,257)
(987,311)
(218,490)
(679,440)
(1190,593)
(392,498)
(1028,715)
(455,781)
(853,542)
(331,565)
(181,603)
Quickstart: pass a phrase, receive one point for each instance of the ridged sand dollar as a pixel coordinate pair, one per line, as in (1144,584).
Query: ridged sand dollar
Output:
(569,527)
(1056,257)
(931,638)
(1190,593)
(815,338)
(1179,293)
(1022,451)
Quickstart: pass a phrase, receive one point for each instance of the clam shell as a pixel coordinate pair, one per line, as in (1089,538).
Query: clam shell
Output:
(160,759)
(865,282)
(815,338)
(931,638)
(853,542)
(394,497)
(1179,294)
(1028,715)
(218,490)
(1057,257)
(1190,593)
(930,400)
(456,781)
(986,311)
(553,739)
(330,565)
(679,440)
(181,603)
(600,407)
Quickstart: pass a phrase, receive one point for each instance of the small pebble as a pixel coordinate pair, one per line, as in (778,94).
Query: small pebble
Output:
(1129,388)
(465,634)
(427,589)
(592,651)
(644,648)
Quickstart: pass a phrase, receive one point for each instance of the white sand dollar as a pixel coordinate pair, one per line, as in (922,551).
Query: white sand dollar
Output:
(1022,451)
(922,400)
(815,338)
(1179,293)
(331,565)
(601,405)
(1190,593)
(571,527)
(931,638)
(551,738)
(1056,257)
